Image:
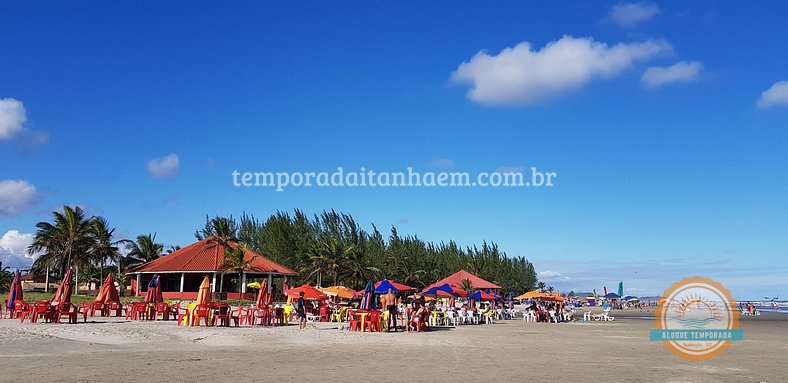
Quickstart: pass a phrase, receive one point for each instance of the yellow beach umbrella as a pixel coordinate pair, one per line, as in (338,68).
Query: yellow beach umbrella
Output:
(254,285)
(341,292)
(204,294)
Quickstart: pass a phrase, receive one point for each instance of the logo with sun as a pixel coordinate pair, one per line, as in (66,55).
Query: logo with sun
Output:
(690,310)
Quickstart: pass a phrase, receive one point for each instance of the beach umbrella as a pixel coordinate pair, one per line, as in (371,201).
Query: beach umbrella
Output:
(471,300)
(159,293)
(443,290)
(204,293)
(271,293)
(15,292)
(482,296)
(621,289)
(108,292)
(310,292)
(382,287)
(531,295)
(262,294)
(368,301)
(612,296)
(152,295)
(341,292)
(254,285)
(63,292)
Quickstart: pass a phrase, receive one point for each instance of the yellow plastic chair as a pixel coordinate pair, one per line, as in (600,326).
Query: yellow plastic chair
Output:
(384,320)
(288,309)
(339,315)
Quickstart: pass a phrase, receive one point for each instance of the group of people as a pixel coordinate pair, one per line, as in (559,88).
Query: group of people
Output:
(550,312)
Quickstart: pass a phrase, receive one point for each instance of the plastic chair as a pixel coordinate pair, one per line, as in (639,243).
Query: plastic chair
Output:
(373,320)
(41,309)
(20,308)
(201,311)
(67,310)
(163,309)
(185,317)
(221,315)
(355,321)
(278,317)
(117,307)
(239,316)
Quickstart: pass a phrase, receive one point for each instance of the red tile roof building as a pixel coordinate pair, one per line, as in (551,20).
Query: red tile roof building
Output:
(182,271)
(455,281)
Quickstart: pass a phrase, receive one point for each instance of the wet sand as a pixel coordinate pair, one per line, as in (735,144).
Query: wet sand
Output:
(110,350)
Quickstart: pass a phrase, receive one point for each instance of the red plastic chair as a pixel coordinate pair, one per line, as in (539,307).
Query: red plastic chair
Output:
(97,306)
(67,310)
(186,314)
(355,321)
(139,311)
(201,311)
(163,309)
(117,307)
(20,308)
(373,320)
(325,313)
(221,315)
(261,316)
(239,316)
(41,309)
(278,317)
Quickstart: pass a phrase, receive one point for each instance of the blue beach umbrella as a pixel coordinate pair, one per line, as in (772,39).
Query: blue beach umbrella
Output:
(472,299)
(612,296)
(368,301)
(15,293)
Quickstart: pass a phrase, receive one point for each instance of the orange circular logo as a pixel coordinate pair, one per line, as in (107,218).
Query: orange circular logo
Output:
(697,318)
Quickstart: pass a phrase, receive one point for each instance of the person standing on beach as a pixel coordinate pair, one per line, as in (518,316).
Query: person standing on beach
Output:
(301,310)
(390,300)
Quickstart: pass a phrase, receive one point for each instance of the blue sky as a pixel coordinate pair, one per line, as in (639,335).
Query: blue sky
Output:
(665,122)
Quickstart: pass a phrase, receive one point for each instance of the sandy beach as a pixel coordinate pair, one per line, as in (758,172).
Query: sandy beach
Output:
(114,350)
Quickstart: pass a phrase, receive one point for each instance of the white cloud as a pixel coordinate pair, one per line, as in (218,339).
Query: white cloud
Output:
(548,275)
(628,15)
(13,249)
(164,167)
(522,76)
(777,95)
(16,197)
(684,71)
(12,116)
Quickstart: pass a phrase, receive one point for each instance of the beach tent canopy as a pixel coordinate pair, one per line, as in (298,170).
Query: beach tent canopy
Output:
(368,301)
(207,256)
(382,287)
(15,292)
(108,292)
(612,296)
(532,295)
(455,281)
(63,292)
(482,296)
(204,294)
(341,292)
(439,291)
(309,293)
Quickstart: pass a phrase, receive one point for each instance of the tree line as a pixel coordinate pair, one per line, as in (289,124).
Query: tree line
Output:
(329,248)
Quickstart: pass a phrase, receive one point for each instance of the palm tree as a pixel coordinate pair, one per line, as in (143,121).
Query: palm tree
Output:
(65,243)
(104,248)
(234,261)
(6,277)
(466,285)
(145,248)
(172,249)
